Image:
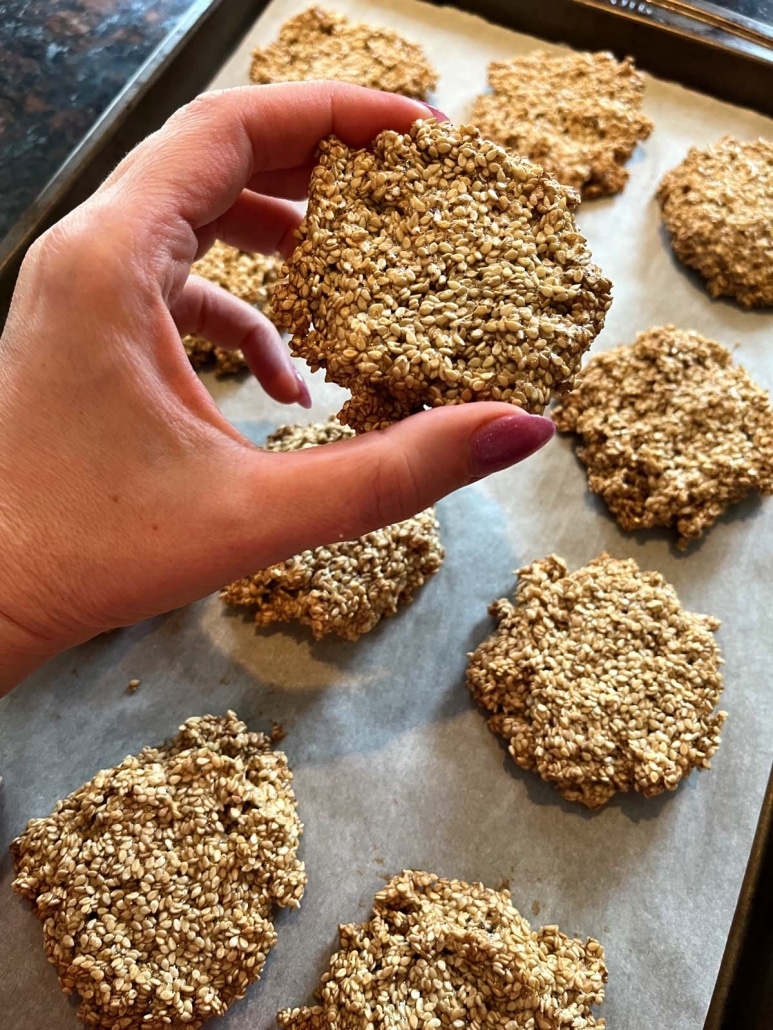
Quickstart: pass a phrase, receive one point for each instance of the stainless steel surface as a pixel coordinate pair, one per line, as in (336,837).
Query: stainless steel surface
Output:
(394,765)
(704,21)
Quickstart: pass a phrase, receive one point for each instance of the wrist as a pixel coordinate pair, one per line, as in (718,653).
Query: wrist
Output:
(21,652)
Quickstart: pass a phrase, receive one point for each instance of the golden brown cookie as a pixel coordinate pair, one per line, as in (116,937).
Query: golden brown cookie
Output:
(437,268)
(718,207)
(576,114)
(250,277)
(599,681)
(673,432)
(319,44)
(449,954)
(344,588)
(156,880)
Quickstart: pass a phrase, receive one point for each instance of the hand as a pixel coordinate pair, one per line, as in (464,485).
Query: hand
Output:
(125,493)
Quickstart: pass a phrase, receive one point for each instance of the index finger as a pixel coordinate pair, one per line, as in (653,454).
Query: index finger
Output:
(194,168)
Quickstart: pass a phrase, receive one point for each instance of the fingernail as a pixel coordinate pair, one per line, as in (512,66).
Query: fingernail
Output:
(304,397)
(507,440)
(436,113)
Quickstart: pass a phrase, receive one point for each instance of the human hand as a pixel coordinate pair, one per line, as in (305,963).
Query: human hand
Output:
(125,492)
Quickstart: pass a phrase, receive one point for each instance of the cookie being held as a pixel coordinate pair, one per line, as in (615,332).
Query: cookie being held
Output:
(438,268)
(672,431)
(718,207)
(599,681)
(319,44)
(344,588)
(576,114)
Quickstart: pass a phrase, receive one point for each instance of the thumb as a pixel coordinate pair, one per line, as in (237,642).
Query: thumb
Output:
(345,489)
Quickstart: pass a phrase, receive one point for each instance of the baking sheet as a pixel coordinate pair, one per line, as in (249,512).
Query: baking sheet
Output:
(394,766)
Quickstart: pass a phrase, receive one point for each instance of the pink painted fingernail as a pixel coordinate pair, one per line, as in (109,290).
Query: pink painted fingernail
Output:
(507,440)
(304,397)
(436,113)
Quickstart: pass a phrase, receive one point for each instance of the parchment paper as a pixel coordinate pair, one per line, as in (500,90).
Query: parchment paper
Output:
(394,766)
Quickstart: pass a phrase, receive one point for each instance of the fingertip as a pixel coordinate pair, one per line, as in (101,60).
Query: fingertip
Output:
(281,381)
(436,112)
(507,440)
(303,396)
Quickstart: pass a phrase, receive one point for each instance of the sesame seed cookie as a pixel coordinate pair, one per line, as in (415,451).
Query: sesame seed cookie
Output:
(673,432)
(599,681)
(319,44)
(445,953)
(155,881)
(343,588)
(718,207)
(438,268)
(576,114)
(250,277)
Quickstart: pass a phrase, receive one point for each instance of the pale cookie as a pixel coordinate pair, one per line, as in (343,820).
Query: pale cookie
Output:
(447,954)
(437,268)
(599,681)
(155,881)
(344,588)
(576,114)
(718,207)
(252,278)
(673,433)
(319,44)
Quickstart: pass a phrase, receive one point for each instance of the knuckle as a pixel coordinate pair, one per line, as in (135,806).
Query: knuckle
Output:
(50,246)
(202,107)
(46,271)
(81,254)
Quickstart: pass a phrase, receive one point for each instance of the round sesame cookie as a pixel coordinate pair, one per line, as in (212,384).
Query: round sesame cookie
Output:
(252,278)
(448,954)
(156,880)
(599,681)
(576,114)
(437,268)
(319,44)
(718,207)
(673,432)
(344,588)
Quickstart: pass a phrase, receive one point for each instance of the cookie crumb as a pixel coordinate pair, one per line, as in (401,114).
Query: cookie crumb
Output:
(132,687)
(278,733)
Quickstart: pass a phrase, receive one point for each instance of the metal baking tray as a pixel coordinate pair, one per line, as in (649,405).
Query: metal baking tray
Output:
(396,699)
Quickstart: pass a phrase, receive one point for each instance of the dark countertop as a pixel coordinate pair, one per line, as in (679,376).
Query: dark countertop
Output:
(63,62)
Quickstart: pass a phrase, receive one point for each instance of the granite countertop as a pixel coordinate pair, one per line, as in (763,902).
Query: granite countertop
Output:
(63,62)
